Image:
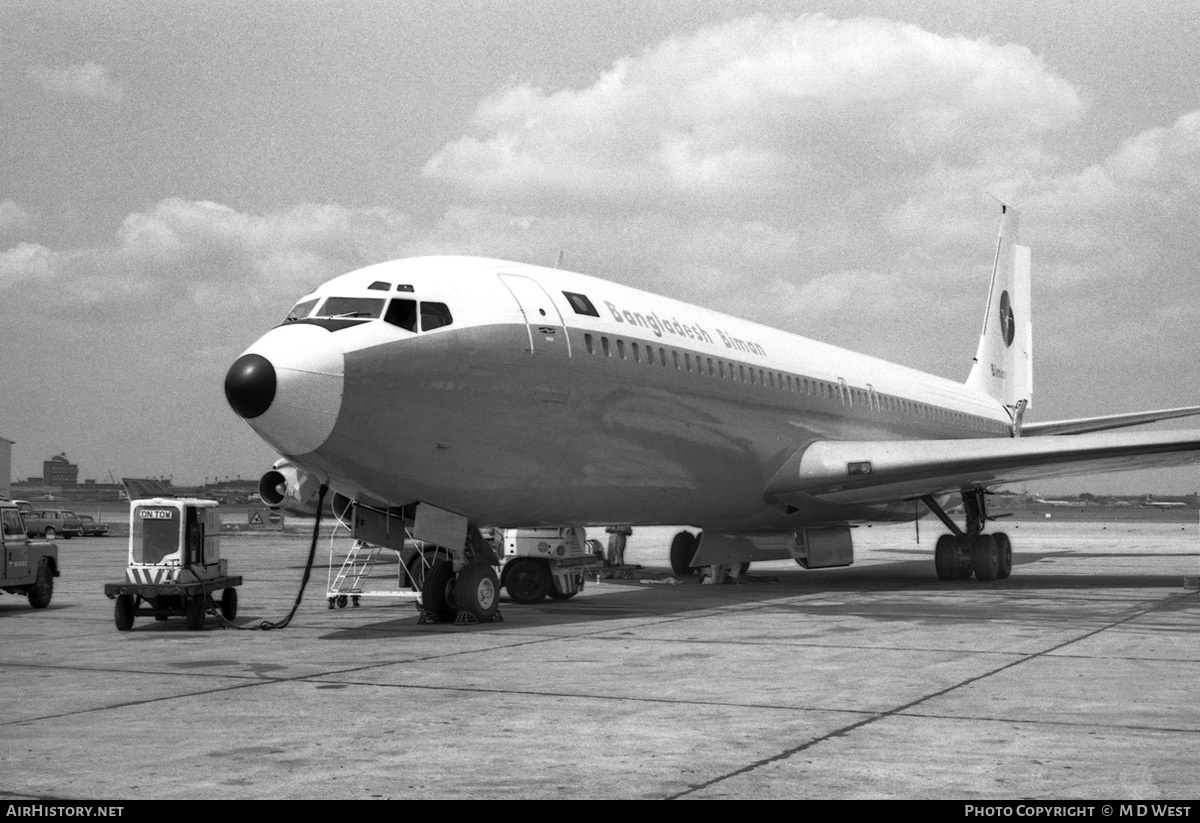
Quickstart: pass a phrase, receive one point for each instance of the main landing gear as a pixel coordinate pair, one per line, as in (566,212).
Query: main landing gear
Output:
(971,552)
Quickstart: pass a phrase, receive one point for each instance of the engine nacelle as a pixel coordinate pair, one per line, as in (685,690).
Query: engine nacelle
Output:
(289,488)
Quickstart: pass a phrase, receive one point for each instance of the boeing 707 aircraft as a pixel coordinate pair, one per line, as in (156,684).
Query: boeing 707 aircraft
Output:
(436,395)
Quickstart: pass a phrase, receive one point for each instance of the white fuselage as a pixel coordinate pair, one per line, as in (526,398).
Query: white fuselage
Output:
(555,398)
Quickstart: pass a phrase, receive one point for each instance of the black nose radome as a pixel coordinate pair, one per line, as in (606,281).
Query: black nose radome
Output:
(250,385)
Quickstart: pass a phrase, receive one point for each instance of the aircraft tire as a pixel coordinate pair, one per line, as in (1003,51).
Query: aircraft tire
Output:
(527,581)
(945,557)
(985,557)
(683,549)
(477,591)
(43,586)
(193,612)
(437,591)
(229,603)
(123,612)
(416,568)
(416,573)
(1004,545)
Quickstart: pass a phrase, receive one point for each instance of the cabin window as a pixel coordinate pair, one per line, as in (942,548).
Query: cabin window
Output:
(604,345)
(434,316)
(403,313)
(581,304)
(634,348)
(662,356)
(591,346)
(650,355)
(621,349)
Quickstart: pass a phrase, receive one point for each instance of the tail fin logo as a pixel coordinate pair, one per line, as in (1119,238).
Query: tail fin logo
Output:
(1008,321)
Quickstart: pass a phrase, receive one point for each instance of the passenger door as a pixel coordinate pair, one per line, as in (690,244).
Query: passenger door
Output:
(549,345)
(547,331)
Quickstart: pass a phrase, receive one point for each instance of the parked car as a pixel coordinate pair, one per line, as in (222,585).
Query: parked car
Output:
(92,527)
(52,523)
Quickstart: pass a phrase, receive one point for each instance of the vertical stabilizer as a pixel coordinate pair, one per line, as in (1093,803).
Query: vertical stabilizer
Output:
(1003,366)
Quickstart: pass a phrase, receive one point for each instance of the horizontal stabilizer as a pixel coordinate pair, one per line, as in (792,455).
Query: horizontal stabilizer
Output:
(865,472)
(1083,425)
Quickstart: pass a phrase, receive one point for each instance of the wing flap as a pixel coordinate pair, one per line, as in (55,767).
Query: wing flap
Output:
(864,472)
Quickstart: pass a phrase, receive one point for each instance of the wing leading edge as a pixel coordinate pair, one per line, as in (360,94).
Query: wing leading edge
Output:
(881,471)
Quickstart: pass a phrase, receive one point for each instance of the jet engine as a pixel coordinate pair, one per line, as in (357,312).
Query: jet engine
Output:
(289,488)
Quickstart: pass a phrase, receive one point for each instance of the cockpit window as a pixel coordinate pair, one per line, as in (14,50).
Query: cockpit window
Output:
(337,313)
(300,310)
(352,307)
(379,285)
(434,316)
(402,313)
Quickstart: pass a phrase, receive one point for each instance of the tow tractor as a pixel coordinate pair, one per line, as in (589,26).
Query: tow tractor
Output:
(541,563)
(175,564)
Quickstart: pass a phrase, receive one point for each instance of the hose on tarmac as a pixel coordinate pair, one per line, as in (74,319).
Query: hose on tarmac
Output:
(267,625)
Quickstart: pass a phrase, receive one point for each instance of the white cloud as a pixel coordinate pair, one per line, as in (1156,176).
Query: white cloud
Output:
(755,112)
(185,247)
(26,262)
(13,218)
(86,80)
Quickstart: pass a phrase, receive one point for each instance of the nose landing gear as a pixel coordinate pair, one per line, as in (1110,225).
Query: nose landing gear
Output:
(470,595)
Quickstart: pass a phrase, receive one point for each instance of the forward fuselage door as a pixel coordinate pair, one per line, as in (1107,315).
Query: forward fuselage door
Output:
(547,331)
(548,349)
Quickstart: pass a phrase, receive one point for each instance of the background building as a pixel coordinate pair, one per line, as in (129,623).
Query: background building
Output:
(58,471)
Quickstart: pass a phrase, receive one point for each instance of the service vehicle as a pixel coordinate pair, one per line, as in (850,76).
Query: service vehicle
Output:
(27,567)
(52,523)
(547,562)
(175,565)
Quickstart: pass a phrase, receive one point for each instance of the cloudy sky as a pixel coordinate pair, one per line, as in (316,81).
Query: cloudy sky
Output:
(174,175)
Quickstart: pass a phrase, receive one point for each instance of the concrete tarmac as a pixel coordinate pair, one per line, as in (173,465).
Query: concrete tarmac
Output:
(1073,679)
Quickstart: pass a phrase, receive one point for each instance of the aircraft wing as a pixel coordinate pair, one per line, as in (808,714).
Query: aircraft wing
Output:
(881,471)
(1083,425)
